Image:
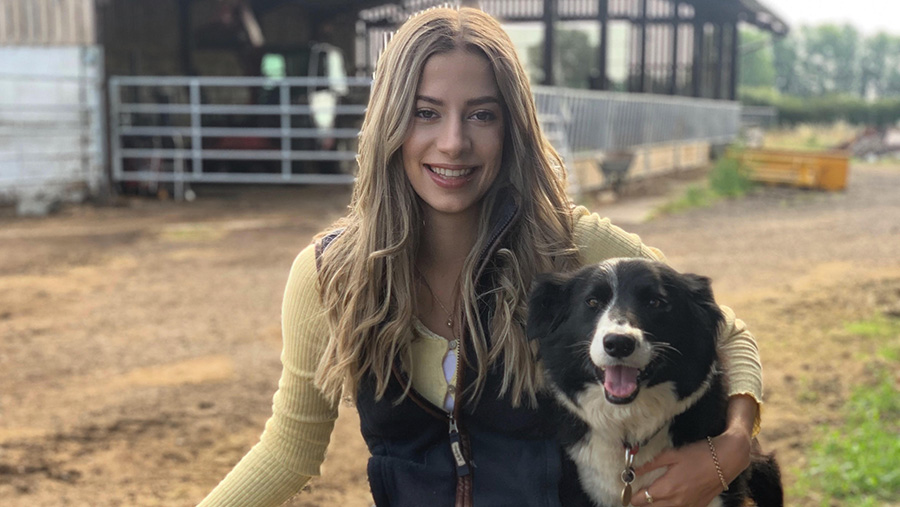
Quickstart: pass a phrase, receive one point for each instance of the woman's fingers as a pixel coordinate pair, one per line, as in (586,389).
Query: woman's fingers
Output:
(690,479)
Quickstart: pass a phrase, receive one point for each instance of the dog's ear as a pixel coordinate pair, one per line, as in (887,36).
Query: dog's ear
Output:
(548,304)
(702,299)
(699,286)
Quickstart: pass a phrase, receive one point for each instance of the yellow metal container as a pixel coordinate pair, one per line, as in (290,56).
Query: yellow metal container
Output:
(825,170)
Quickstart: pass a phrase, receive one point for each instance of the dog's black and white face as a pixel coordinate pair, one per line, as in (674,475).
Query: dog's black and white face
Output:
(627,324)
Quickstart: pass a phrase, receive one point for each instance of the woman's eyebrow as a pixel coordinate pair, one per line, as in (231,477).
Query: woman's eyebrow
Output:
(477,101)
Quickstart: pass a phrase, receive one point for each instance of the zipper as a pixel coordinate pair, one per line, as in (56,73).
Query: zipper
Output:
(456,447)
(456,444)
(458,440)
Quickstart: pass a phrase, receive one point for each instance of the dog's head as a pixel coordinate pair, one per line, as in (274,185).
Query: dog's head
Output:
(627,324)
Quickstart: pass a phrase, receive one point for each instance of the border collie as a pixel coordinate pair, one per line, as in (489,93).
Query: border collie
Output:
(629,349)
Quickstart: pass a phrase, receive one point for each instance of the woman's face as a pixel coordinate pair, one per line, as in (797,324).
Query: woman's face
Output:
(453,150)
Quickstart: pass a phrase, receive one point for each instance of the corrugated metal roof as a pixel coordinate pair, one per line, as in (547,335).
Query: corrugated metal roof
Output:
(765,17)
(750,11)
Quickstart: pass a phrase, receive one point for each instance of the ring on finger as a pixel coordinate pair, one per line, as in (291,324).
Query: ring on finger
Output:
(648,496)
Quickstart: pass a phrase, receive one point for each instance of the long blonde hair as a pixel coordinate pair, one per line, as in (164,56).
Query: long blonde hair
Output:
(367,272)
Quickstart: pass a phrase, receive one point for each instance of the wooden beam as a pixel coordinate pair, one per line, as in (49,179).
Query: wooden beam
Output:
(550,17)
(699,53)
(673,78)
(603,17)
(643,76)
(720,53)
(735,65)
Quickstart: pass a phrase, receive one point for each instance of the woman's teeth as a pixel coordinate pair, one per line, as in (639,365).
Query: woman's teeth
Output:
(450,173)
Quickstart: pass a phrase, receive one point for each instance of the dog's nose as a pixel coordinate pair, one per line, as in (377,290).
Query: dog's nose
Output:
(618,345)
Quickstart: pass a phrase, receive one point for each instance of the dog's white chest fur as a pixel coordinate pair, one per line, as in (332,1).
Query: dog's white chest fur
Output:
(600,455)
(601,461)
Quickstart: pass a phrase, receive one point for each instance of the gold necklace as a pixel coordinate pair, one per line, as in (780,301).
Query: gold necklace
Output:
(435,298)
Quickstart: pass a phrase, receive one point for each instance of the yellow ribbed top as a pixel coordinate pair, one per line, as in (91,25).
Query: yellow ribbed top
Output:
(292,446)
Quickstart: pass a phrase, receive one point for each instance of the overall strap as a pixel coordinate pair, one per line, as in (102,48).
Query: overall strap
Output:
(323,243)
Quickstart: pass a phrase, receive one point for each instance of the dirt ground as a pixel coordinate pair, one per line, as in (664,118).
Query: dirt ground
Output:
(139,344)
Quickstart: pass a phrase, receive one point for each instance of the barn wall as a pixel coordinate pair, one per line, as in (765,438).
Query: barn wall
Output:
(51,125)
(47,22)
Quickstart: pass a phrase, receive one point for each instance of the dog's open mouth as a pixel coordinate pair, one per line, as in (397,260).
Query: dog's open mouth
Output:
(621,383)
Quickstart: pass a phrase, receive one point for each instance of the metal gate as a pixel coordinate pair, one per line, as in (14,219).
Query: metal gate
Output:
(182,130)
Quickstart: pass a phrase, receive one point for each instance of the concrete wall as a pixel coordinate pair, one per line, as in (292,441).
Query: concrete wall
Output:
(51,124)
(649,161)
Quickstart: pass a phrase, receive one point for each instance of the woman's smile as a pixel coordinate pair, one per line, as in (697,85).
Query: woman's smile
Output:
(450,176)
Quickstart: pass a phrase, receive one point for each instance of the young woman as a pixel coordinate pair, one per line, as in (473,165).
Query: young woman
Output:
(413,305)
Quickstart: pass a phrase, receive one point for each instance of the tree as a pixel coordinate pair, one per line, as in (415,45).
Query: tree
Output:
(786,58)
(880,66)
(872,65)
(830,61)
(575,57)
(756,60)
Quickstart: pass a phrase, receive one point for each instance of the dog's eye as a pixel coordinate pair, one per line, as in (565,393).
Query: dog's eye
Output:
(656,302)
(593,302)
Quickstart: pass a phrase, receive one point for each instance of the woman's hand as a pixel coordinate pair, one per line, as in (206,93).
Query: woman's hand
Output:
(691,479)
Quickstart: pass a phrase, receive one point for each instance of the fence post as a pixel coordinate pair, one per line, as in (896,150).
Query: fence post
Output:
(196,127)
(285,102)
(114,121)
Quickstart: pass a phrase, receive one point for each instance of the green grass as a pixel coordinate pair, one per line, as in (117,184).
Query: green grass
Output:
(695,196)
(884,329)
(726,181)
(880,326)
(857,462)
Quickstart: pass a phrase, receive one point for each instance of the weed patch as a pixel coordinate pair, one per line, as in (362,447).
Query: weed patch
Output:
(885,329)
(727,180)
(856,462)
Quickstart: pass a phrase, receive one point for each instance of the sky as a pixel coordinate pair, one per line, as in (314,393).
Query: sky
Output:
(868,16)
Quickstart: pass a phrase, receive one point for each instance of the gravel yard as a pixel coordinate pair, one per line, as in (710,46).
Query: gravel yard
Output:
(139,344)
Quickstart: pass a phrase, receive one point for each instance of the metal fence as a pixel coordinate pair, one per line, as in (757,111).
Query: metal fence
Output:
(759,116)
(582,124)
(183,130)
(235,129)
(609,121)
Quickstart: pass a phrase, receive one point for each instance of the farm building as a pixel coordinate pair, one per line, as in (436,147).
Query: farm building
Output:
(100,96)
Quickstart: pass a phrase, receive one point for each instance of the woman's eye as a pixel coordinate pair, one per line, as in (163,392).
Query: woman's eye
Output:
(484,116)
(425,114)
(593,302)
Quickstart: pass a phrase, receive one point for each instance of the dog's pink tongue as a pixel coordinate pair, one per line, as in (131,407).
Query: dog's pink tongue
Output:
(620,381)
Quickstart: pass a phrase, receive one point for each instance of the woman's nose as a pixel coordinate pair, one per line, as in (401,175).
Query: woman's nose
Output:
(454,139)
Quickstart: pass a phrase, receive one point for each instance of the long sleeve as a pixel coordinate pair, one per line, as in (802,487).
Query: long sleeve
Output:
(740,358)
(292,446)
(598,239)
